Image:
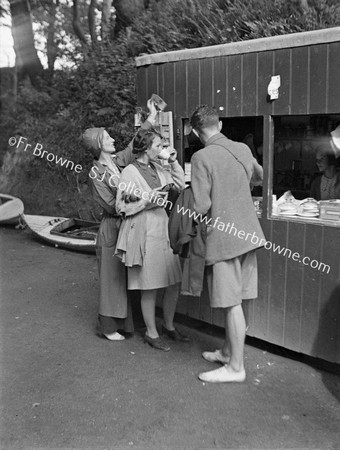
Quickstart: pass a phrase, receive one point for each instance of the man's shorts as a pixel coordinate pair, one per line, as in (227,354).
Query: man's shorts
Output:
(233,280)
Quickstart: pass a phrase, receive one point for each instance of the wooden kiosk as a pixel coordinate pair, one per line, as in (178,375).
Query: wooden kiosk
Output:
(299,302)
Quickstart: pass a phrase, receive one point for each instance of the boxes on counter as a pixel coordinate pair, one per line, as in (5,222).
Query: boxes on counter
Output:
(330,209)
(258,204)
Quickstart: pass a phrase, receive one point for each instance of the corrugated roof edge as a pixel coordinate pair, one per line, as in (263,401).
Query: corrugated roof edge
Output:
(326,35)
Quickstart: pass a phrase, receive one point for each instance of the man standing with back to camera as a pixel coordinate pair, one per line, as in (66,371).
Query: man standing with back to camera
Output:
(222,173)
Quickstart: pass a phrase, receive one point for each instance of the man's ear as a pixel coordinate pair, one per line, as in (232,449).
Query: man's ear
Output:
(220,125)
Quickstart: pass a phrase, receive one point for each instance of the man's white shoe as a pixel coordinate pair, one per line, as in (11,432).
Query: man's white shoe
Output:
(216,356)
(223,375)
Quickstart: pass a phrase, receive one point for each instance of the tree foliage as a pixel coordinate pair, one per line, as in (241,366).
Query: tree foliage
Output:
(175,24)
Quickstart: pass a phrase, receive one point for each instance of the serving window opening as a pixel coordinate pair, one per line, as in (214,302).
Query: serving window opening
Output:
(242,129)
(306,167)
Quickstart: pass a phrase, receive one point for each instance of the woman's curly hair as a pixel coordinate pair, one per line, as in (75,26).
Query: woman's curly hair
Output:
(143,140)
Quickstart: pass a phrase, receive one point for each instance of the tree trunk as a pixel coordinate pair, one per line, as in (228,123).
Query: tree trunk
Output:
(105,22)
(76,24)
(92,21)
(27,59)
(127,10)
(52,48)
(304,5)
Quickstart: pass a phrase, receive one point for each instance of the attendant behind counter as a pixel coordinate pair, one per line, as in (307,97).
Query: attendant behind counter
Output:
(327,185)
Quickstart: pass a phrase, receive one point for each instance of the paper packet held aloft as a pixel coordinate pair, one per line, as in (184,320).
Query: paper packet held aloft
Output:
(159,102)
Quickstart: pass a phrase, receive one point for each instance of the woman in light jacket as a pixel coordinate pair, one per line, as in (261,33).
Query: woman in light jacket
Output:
(114,306)
(143,241)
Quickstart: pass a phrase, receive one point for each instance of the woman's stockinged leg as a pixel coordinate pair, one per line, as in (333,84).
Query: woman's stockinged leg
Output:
(148,306)
(169,305)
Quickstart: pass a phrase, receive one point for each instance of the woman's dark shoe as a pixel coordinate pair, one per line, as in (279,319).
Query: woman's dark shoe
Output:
(175,335)
(157,343)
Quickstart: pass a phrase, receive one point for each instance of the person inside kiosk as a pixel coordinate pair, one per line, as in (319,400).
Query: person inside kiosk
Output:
(327,185)
(306,175)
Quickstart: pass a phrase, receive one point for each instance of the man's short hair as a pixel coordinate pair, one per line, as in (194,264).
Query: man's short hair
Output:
(204,117)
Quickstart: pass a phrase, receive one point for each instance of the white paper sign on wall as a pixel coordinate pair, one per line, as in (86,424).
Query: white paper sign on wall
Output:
(273,87)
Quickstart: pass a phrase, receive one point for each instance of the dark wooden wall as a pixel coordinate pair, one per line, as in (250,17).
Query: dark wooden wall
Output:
(298,307)
(238,83)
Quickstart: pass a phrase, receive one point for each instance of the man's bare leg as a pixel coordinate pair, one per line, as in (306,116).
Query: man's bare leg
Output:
(236,325)
(235,332)
(225,350)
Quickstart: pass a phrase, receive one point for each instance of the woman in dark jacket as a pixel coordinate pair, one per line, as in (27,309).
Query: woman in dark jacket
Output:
(114,306)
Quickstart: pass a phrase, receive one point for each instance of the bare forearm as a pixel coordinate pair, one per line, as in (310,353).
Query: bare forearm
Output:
(126,157)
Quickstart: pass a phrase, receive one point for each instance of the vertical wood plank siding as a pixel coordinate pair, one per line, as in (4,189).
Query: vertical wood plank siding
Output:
(298,306)
(180,87)
(152,79)
(300,80)
(235,88)
(310,295)
(220,96)
(169,86)
(261,309)
(193,93)
(293,297)
(318,79)
(282,105)
(161,82)
(142,87)
(327,341)
(265,72)
(249,77)
(206,78)
(333,80)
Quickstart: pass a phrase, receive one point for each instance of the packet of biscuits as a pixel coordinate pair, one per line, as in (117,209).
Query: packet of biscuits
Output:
(159,102)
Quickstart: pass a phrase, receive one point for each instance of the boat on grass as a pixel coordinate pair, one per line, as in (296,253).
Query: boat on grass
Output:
(73,234)
(11,208)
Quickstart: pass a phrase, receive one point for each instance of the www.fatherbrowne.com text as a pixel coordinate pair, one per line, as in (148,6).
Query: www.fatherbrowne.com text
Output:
(254,239)
(229,228)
